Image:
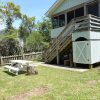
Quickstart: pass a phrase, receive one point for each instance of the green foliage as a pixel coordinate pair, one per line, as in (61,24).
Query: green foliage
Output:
(44,27)
(40,38)
(45,45)
(27,26)
(4,35)
(35,39)
(13,36)
(9,46)
(35,42)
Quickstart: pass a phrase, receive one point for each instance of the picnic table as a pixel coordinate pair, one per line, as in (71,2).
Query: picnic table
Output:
(23,62)
(19,65)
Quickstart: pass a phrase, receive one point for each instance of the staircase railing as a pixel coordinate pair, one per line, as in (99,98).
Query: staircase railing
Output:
(88,22)
(51,52)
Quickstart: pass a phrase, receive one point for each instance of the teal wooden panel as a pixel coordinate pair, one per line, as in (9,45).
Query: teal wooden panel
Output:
(86,34)
(76,35)
(82,52)
(56,32)
(86,54)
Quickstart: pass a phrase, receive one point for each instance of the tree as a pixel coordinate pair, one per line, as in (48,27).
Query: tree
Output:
(3,36)
(1,5)
(26,27)
(35,42)
(10,12)
(9,46)
(8,43)
(44,27)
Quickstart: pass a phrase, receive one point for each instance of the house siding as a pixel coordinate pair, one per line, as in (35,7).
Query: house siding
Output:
(67,4)
(95,52)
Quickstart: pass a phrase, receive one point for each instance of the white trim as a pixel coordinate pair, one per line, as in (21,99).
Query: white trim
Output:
(53,7)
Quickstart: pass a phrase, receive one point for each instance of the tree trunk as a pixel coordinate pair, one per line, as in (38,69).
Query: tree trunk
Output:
(31,71)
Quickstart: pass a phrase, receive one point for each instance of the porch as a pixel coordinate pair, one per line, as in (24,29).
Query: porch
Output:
(62,19)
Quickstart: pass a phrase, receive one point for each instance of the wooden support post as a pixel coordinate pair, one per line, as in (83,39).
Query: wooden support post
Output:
(57,57)
(23,57)
(90,66)
(71,64)
(74,64)
(70,59)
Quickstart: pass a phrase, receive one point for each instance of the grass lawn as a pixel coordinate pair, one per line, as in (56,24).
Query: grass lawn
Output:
(51,84)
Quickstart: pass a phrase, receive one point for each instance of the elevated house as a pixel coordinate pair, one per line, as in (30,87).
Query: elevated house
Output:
(75,32)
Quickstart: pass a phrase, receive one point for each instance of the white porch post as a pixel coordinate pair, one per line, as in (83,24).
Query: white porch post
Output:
(85,9)
(99,7)
(65,18)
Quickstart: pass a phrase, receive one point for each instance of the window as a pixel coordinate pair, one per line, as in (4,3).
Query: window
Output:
(93,9)
(75,13)
(61,20)
(55,22)
(58,21)
(79,12)
(70,16)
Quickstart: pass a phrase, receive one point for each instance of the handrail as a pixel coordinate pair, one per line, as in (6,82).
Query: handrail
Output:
(55,41)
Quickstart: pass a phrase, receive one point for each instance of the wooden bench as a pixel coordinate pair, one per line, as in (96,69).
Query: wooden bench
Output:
(12,69)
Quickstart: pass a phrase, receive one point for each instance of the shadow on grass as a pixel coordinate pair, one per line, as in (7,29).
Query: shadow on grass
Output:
(78,66)
(84,66)
(12,74)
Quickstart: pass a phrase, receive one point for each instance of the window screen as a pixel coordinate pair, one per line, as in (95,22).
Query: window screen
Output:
(93,9)
(70,16)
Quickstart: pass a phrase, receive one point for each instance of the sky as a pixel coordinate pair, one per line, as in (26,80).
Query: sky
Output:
(35,8)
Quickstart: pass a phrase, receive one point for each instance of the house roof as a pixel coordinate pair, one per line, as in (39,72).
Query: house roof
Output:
(53,7)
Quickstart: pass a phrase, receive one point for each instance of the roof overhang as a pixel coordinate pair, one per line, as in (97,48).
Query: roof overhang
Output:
(53,7)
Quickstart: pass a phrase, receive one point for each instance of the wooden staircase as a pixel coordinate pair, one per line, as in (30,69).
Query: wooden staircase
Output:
(65,37)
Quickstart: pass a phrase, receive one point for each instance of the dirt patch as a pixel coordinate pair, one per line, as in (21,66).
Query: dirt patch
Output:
(92,82)
(98,81)
(36,92)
